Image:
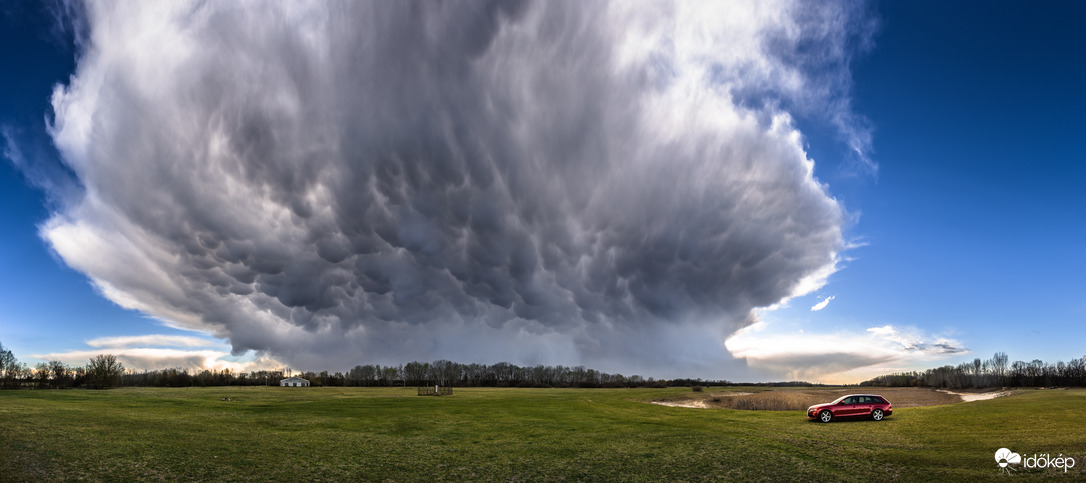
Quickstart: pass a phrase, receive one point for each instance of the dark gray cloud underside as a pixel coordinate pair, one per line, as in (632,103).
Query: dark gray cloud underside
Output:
(338,182)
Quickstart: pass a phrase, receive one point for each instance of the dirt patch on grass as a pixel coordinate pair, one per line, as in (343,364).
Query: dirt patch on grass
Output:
(695,404)
(978,396)
(699,403)
(799,400)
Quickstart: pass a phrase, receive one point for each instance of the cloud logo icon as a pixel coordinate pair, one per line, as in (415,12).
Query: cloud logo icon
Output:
(1005,457)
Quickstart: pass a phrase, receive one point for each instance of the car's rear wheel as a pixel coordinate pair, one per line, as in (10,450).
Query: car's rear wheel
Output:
(825,416)
(876,415)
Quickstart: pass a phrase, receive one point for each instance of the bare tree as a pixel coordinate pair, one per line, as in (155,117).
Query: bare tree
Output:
(104,371)
(61,374)
(42,373)
(9,369)
(999,367)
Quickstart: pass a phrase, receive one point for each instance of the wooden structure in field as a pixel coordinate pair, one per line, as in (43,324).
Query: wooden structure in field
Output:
(435,391)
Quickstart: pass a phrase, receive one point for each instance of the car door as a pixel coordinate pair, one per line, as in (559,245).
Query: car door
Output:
(847,407)
(863,406)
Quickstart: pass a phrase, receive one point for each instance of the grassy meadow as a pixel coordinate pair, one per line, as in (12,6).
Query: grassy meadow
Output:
(482,434)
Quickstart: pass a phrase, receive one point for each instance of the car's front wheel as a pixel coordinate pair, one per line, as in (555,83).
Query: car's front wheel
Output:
(825,416)
(877,415)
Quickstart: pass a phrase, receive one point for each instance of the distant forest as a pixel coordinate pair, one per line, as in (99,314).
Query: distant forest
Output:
(994,372)
(441,372)
(104,371)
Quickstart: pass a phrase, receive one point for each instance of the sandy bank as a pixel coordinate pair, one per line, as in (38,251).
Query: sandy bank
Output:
(697,403)
(977,396)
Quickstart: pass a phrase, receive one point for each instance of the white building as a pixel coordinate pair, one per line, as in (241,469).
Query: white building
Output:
(294,382)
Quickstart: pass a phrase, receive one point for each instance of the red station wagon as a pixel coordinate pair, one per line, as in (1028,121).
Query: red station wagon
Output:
(852,406)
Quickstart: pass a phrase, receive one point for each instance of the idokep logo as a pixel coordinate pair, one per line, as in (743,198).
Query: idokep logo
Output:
(1005,457)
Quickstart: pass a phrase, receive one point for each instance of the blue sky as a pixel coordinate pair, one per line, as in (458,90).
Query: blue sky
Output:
(973,223)
(963,236)
(972,227)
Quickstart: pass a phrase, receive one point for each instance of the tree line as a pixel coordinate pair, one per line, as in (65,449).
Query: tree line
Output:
(994,372)
(103,371)
(441,372)
(502,374)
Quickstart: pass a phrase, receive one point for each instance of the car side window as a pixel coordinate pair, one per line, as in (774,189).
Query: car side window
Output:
(849,400)
(865,400)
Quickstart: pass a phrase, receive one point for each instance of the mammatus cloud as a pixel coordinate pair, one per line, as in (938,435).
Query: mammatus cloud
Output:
(616,185)
(839,357)
(153,352)
(821,305)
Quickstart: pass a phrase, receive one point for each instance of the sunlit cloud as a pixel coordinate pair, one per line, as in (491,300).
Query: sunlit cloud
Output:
(821,305)
(147,352)
(152,340)
(839,357)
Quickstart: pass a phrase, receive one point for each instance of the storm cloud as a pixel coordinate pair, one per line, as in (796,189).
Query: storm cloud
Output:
(618,185)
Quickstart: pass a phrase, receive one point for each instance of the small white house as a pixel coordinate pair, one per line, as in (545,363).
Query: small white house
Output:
(294,382)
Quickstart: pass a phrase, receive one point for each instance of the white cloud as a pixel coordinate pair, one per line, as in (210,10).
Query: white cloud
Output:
(152,340)
(838,357)
(144,352)
(821,305)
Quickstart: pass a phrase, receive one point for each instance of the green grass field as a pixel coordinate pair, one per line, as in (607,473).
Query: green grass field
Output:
(343,434)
